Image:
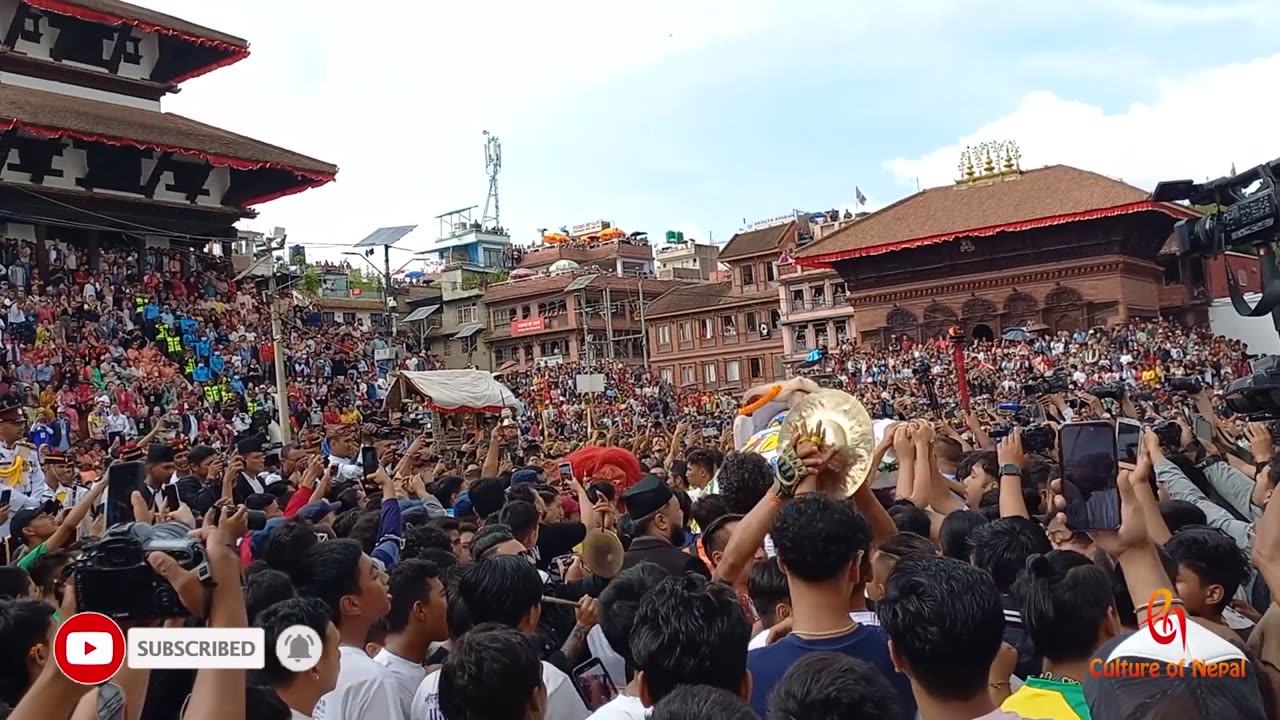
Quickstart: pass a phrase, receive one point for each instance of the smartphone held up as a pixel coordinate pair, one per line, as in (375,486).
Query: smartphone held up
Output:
(1090,462)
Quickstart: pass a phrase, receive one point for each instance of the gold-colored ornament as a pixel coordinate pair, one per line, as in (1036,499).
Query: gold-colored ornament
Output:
(845,424)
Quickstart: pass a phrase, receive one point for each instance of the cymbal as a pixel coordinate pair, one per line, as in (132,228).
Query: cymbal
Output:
(602,553)
(845,424)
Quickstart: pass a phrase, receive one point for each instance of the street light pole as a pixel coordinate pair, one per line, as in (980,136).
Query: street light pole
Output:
(277,350)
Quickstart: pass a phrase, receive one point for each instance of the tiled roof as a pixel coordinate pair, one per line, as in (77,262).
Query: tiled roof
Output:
(1036,198)
(754,242)
(331,303)
(53,115)
(549,284)
(118,10)
(693,298)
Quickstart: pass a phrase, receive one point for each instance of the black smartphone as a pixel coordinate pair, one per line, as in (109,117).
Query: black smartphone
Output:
(170,497)
(594,684)
(1202,428)
(123,478)
(5,496)
(1128,440)
(1089,466)
(369,459)
(566,471)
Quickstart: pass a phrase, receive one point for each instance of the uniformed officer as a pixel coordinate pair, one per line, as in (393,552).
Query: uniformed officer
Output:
(344,452)
(19,461)
(60,481)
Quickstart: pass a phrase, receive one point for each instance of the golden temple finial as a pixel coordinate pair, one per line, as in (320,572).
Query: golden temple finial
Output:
(990,160)
(966,166)
(1012,158)
(988,166)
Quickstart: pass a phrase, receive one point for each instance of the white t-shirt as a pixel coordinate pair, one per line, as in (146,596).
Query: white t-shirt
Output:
(612,661)
(623,707)
(406,674)
(365,690)
(563,701)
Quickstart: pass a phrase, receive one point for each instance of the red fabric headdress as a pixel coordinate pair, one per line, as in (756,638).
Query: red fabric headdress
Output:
(611,464)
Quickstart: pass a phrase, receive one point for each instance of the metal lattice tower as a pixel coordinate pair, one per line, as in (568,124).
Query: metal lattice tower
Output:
(492,164)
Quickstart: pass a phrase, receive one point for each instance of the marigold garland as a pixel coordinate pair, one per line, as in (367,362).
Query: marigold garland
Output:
(761,401)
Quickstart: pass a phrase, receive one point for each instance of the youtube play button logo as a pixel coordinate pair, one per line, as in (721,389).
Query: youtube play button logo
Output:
(89,648)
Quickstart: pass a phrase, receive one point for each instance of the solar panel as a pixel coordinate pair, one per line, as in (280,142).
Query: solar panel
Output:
(468,330)
(386,236)
(580,283)
(421,313)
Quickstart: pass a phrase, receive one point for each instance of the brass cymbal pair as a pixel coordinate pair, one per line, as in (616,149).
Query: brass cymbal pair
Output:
(845,424)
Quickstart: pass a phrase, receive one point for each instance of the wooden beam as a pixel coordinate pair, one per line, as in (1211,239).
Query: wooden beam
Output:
(153,180)
(43,156)
(6,144)
(15,28)
(117,53)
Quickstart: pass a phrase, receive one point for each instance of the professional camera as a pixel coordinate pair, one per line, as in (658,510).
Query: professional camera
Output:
(1035,438)
(1038,439)
(1113,391)
(112,576)
(923,370)
(1247,213)
(1169,433)
(1189,384)
(1058,382)
(1257,397)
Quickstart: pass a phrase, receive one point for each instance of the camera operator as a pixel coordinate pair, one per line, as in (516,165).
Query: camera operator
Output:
(215,694)
(1234,513)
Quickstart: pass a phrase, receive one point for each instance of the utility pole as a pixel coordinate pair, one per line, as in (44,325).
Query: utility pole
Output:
(644,328)
(277,342)
(608,321)
(386,290)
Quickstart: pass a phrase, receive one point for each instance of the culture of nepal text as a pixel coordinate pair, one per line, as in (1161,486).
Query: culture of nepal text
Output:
(1156,668)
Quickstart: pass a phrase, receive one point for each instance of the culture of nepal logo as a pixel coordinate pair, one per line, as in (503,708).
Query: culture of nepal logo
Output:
(1166,624)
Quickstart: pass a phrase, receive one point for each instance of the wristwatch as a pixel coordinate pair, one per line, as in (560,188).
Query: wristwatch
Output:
(1010,469)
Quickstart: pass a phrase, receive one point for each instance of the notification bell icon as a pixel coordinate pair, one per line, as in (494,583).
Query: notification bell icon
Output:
(300,648)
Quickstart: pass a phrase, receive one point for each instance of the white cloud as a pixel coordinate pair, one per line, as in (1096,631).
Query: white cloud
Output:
(1191,129)
(396,93)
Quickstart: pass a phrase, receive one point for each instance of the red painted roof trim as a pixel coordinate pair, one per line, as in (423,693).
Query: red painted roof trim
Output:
(235,53)
(826,260)
(314,179)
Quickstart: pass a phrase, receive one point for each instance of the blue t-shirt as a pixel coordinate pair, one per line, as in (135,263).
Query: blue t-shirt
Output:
(867,643)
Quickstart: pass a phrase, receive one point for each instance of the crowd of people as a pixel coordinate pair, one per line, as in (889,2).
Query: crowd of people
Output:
(639,564)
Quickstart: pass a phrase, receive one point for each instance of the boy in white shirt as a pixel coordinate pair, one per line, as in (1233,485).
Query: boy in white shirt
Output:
(493,673)
(301,691)
(503,589)
(354,587)
(416,621)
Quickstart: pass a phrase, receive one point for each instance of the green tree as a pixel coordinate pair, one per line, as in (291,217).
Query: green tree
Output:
(310,282)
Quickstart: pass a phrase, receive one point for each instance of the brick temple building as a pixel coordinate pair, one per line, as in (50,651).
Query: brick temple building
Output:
(1057,247)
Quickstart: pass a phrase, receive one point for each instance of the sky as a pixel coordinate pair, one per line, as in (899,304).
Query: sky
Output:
(698,115)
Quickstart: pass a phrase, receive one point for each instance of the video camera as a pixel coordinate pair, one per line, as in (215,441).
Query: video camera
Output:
(1057,382)
(1190,384)
(1035,438)
(112,576)
(1246,212)
(1257,397)
(1169,433)
(1113,391)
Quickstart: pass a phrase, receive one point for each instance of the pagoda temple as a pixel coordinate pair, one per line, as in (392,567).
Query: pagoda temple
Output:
(88,155)
(1054,248)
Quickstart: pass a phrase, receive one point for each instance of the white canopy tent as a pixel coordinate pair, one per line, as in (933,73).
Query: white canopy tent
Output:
(451,391)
